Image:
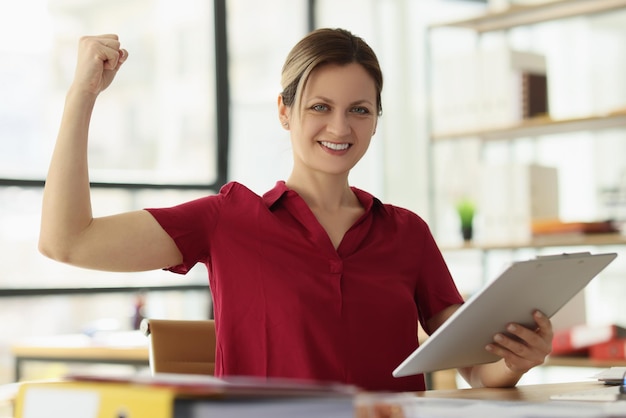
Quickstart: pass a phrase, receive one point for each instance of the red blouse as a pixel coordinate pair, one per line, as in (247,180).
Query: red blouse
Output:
(287,304)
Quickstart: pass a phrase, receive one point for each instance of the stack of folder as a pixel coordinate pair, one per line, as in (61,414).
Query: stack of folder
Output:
(599,342)
(181,396)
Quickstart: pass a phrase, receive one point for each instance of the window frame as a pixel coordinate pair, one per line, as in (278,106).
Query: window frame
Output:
(222,132)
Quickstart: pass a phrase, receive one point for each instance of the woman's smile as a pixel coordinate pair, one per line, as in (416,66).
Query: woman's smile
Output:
(335,146)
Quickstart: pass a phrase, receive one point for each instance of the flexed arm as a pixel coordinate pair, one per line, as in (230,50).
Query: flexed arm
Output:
(69,233)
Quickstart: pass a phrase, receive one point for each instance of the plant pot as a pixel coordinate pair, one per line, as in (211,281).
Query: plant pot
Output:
(467,231)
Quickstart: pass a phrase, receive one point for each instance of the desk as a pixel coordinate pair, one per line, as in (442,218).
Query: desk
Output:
(125,348)
(530,393)
(526,393)
(522,401)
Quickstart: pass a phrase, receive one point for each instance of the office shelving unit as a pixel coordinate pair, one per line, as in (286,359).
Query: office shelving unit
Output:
(534,129)
(514,17)
(531,128)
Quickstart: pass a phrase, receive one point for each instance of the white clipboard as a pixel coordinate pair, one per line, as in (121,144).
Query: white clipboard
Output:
(545,283)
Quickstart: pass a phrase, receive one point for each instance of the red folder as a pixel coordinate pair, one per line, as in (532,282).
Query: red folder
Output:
(610,350)
(579,339)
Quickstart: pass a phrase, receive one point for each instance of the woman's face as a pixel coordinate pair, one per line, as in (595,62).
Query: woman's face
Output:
(338,119)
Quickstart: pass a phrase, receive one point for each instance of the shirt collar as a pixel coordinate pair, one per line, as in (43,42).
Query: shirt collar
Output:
(280,189)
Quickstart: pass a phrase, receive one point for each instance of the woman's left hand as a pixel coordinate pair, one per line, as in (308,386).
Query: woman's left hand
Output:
(524,348)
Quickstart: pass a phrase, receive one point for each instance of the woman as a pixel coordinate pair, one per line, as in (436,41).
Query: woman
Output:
(313,280)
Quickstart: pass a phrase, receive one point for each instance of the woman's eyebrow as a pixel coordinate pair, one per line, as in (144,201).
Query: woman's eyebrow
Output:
(329,100)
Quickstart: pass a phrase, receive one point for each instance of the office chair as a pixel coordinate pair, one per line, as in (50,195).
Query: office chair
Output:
(181,346)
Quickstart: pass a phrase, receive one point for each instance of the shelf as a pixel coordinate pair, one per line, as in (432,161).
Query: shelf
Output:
(565,240)
(517,16)
(540,126)
(564,361)
(527,15)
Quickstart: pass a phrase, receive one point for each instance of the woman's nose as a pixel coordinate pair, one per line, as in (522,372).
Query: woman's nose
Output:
(339,124)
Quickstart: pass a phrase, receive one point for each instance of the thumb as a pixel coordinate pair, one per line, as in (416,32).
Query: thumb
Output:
(114,62)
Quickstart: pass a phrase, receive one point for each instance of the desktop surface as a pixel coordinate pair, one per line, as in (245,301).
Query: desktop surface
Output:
(525,393)
(528,401)
(526,397)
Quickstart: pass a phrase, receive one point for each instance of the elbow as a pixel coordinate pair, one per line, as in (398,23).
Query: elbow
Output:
(53,250)
(59,244)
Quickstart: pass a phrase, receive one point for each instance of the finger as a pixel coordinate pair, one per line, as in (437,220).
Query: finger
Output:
(522,349)
(111,41)
(541,336)
(109,36)
(113,56)
(511,360)
(112,53)
(123,56)
(516,345)
(103,50)
(523,334)
(544,325)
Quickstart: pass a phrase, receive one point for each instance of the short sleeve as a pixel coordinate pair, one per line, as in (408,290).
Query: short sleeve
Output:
(191,225)
(436,289)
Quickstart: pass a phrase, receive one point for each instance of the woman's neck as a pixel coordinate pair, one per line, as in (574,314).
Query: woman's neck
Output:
(324,192)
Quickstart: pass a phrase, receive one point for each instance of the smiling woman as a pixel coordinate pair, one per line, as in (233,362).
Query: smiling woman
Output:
(312,251)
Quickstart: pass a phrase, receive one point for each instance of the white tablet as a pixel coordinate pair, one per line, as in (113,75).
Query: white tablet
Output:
(545,283)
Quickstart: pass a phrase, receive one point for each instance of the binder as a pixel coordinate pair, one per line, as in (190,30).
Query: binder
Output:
(610,350)
(93,400)
(580,338)
(181,396)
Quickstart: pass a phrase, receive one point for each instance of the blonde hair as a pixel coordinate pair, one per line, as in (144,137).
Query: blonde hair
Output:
(327,46)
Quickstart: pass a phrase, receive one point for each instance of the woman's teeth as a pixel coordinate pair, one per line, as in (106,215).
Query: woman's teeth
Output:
(336,147)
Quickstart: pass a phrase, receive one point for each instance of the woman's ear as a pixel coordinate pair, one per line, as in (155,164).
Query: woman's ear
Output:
(283,113)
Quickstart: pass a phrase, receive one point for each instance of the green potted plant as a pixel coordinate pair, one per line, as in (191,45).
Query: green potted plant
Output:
(466,210)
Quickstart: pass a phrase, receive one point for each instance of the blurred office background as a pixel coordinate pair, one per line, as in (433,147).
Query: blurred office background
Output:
(195,106)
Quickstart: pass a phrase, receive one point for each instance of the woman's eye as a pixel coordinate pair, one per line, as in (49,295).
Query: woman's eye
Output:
(361,110)
(319,107)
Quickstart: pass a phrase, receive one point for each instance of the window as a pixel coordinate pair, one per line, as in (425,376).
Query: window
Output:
(154,127)
(156,122)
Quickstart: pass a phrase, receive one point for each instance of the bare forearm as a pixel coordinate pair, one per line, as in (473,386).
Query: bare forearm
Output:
(490,375)
(66,207)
